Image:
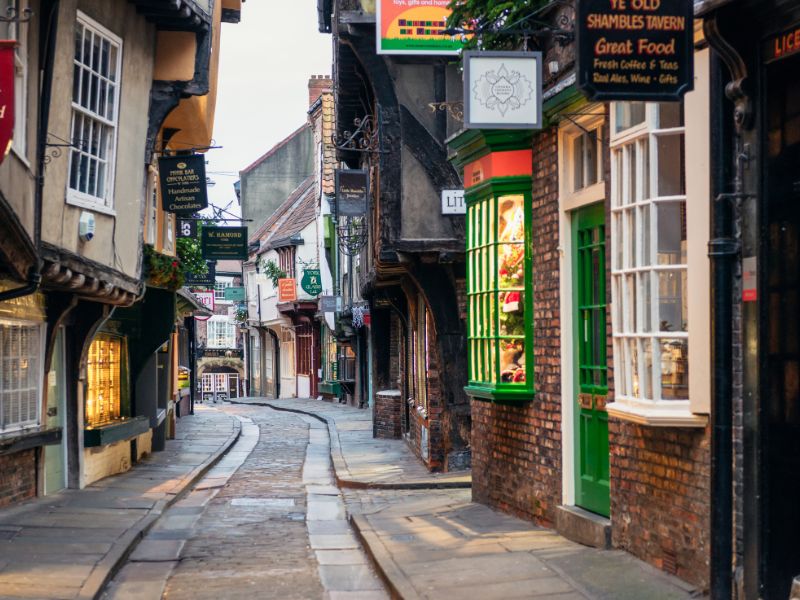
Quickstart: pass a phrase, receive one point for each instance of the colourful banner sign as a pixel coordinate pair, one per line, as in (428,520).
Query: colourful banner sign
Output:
(287,290)
(6,96)
(414,27)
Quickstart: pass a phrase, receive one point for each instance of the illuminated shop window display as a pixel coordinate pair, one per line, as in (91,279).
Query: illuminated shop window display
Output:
(499,290)
(106,370)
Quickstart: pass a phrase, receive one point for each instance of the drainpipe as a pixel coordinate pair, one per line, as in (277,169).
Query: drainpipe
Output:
(723,251)
(47,50)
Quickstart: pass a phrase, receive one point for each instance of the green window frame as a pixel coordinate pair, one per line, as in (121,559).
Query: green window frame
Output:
(500,290)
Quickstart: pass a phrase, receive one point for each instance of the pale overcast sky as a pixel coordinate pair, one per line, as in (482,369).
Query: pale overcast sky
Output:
(266,61)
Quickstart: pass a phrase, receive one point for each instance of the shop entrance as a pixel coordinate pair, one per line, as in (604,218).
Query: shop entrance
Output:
(591,427)
(780,378)
(218,387)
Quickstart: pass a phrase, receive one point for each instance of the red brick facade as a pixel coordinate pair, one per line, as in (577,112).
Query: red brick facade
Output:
(17,477)
(659,476)
(516,450)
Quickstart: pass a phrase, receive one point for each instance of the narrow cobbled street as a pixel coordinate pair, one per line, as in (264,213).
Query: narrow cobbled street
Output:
(266,522)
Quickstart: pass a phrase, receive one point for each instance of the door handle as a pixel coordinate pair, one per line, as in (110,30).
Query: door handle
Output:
(600,401)
(585,401)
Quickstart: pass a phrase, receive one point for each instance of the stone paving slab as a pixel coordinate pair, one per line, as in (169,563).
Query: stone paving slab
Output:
(97,527)
(468,550)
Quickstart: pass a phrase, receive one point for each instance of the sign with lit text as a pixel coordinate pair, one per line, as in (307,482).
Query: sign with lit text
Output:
(7,76)
(183,183)
(287,290)
(224,243)
(786,43)
(414,27)
(635,50)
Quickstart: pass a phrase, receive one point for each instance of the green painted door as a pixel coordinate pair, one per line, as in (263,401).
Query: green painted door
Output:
(55,457)
(589,252)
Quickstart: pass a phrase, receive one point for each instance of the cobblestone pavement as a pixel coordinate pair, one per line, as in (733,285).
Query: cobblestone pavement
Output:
(267,522)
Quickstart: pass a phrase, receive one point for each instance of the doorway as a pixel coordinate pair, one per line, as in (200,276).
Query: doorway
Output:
(780,379)
(591,366)
(55,459)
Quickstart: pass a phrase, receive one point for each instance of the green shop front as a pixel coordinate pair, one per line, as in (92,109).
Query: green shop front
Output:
(497,179)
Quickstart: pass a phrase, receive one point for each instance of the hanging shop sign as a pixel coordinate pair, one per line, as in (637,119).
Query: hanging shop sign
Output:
(352,192)
(234,294)
(187,228)
(206,280)
(311,282)
(7,77)
(224,243)
(183,183)
(635,50)
(287,289)
(503,90)
(330,304)
(453,202)
(414,27)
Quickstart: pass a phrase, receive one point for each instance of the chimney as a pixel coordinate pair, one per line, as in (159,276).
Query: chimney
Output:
(317,85)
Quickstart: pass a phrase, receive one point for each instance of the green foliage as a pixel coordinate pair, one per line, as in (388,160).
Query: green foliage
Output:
(241,314)
(190,253)
(490,17)
(161,270)
(273,271)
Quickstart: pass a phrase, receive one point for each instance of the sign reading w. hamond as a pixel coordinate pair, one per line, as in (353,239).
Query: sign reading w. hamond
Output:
(183,183)
(635,50)
(224,242)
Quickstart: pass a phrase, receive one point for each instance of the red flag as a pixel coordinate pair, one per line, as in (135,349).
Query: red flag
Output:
(7,77)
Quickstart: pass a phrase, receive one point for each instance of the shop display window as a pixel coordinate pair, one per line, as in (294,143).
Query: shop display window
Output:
(106,370)
(499,291)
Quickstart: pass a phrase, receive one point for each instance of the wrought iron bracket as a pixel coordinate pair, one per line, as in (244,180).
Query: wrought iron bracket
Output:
(366,137)
(454,109)
(14,15)
(352,235)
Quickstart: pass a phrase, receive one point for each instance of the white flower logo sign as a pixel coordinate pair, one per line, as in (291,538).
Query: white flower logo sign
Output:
(502,90)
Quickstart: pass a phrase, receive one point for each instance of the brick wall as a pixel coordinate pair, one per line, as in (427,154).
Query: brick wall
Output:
(17,477)
(386,414)
(660,496)
(516,450)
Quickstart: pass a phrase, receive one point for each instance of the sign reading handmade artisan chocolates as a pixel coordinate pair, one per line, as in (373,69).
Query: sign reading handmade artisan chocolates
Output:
(224,242)
(635,50)
(183,183)
(352,191)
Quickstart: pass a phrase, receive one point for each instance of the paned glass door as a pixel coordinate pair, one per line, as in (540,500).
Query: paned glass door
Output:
(592,468)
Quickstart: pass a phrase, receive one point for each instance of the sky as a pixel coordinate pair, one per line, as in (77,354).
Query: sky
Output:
(266,61)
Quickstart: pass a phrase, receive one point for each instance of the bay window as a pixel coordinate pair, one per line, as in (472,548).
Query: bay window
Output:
(499,291)
(649,266)
(221,332)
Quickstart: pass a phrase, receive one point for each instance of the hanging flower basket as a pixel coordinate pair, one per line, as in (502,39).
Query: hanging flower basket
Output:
(161,270)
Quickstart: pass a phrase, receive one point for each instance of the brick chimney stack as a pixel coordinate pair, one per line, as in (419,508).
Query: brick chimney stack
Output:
(317,85)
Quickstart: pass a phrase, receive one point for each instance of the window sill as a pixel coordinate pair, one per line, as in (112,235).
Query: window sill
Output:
(26,439)
(90,205)
(115,432)
(500,396)
(657,416)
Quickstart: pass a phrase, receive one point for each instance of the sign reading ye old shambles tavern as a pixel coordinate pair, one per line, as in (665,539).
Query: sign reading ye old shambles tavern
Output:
(631,50)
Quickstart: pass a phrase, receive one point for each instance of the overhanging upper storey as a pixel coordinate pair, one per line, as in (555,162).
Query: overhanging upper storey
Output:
(177,15)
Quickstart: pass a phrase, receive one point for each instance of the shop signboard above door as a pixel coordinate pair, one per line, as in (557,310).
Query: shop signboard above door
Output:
(502,90)
(635,50)
(220,243)
(206,280)
(311,282)
(352,192)
(183,183)
(406,27)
